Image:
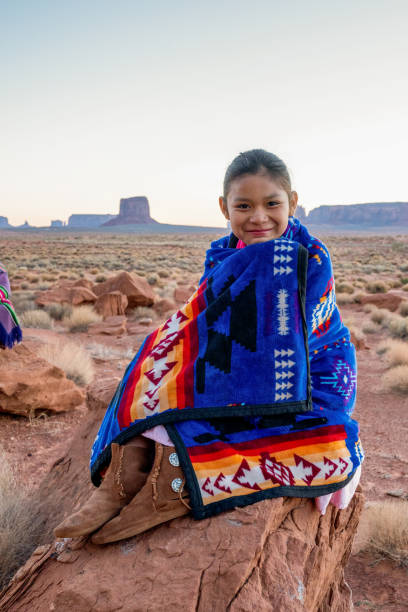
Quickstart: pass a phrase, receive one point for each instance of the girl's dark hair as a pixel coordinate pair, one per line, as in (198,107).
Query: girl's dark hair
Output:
(254,161)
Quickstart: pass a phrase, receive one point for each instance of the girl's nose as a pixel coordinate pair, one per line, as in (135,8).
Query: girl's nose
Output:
(259,215)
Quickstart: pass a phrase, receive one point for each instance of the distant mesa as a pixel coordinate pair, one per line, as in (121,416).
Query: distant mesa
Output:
(88,220)
(361,215)
(132,211)
(57,223)
(4,222)
(25,225)
(301,214)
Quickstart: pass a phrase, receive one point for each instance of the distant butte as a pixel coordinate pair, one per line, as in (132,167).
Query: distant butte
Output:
(132,211)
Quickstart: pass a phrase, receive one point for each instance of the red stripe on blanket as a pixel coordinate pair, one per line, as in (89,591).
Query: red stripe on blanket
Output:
(124,418)
(221,449)
(198,305)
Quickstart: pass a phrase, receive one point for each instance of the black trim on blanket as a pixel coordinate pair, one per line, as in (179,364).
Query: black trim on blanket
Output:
(191,479)
(214,508)
(303,260)
(186,414)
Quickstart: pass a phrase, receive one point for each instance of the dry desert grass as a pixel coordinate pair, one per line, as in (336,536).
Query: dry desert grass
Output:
(72,358)
(81,318)
(36,318)
(383,529)
(20,523)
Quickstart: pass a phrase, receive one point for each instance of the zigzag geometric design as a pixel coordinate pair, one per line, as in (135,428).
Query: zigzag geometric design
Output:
(276,471)
(342,379)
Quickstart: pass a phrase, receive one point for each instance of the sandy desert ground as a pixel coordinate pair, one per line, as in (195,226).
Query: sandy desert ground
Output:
(371,278)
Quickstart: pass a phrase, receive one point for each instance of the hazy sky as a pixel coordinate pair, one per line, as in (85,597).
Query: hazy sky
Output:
(102,100)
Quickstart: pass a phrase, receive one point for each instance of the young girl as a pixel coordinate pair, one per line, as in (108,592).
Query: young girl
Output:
(246,392)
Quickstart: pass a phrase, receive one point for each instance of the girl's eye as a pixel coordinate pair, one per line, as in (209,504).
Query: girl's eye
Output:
(243,205)
(273,204)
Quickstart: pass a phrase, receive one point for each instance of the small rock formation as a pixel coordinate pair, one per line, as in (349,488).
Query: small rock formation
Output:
(29,383)
(88,220)
(132,211)
(164,305)
(111,304)
(389,300)
(361,215)
(136,288)
(277,554)
(182,293)
(57,223)
(25,225)
(82,282)
(66,295)
(111,326)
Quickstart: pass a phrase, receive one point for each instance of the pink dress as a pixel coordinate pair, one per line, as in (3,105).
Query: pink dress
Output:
(340,499)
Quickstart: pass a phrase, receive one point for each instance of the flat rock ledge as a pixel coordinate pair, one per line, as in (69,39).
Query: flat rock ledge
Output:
(276,555)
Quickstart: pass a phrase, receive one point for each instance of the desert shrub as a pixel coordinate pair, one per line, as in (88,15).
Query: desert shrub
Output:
(25,286)
(80,319)
(101,278)
(140,312)
(342,287)
(396,379)
(384,530)
(344,298)
(369,307)
(380,315)
(163,273)
(383,346)
(371,328)
(49,277)
(20,523)
(376,286)
(59,311)
(397,353)
(403,309)
(152,279)
(398,326)
(72,358)
(22,303)
(36,318)
(357,297)
(404,288)
(394,284)
(94,271)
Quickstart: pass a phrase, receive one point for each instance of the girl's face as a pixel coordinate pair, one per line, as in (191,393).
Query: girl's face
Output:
(258,207)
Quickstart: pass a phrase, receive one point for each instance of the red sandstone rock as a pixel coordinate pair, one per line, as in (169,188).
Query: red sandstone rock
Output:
(111,326)
(137,289)
(29,383)
(111,304)
(183,293)
(83,282)
(164,305)
(68,295)
(278,555)
(389,300)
